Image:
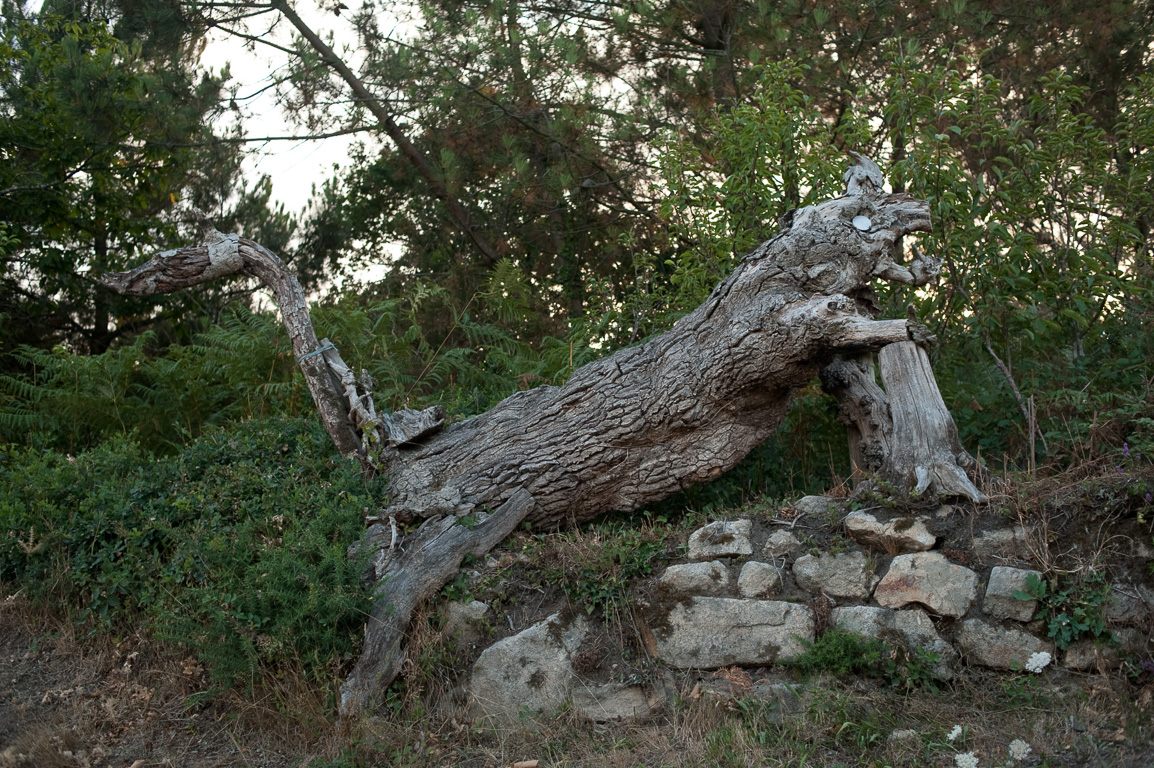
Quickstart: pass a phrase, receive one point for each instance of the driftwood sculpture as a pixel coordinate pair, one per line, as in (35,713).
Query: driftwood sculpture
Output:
(641,424)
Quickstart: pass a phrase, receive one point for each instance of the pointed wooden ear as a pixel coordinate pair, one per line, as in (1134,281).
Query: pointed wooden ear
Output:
(863,177)
(209,234)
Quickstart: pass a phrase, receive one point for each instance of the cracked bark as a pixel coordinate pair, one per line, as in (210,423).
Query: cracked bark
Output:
(643,423)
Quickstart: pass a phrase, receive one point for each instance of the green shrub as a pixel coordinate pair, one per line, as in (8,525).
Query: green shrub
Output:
(841,653)
(235,547)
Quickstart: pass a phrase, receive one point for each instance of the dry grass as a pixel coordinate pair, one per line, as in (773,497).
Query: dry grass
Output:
(76,700)
(1084,519)
(110,714)
(1075,720)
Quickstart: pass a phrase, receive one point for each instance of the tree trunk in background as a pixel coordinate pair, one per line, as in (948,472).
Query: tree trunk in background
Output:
(641,424)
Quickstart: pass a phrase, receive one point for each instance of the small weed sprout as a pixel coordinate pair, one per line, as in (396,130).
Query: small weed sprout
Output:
(30,545)
(1021,689)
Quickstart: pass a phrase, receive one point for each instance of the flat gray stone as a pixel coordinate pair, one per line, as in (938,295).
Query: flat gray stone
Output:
(1141,550)
(785,698)
(1004,543)
(712,632)
(929,579)
(1100,656)
(614,702)
(710,578)
(818,506)
(1129,604)
(909,629)
(846,575)
(990,645)
(724,538)
(782,544)
(461,620)
(905,534)
(1000,602)
(779,699)
(759,580)
(531,671)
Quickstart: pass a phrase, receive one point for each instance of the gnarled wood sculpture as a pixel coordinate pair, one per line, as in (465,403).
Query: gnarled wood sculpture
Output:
(638,425)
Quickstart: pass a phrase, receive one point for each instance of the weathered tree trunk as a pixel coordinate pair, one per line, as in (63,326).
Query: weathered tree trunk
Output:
(648,421)
(641,424)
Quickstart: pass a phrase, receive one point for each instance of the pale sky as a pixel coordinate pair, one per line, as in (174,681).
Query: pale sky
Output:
(293,166)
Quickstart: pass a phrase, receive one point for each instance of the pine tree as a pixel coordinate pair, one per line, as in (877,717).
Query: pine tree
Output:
(107,129)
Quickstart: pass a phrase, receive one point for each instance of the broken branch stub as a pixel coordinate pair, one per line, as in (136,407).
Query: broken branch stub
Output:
(408,577)
(903,433)
(927,454)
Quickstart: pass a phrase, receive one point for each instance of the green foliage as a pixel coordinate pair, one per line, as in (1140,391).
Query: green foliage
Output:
(235,547)
(1039,225)
(841,653)
(1071,613)
(600,581)
(240,369)
(243,368)
(913,669)
(1022,691)
(1039,213)
(101,136)
(768,155)
(546,124)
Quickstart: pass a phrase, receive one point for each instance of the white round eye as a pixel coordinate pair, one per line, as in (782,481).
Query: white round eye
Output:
(862,223)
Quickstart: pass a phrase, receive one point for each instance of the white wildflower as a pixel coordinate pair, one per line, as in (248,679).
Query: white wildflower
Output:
(1037,662)
(966,760)
(1019,750)
(954,733)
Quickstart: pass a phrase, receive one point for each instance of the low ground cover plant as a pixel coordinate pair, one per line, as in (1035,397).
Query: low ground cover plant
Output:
(236,547)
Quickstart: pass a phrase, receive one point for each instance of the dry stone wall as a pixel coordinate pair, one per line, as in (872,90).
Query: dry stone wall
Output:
(755,597)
